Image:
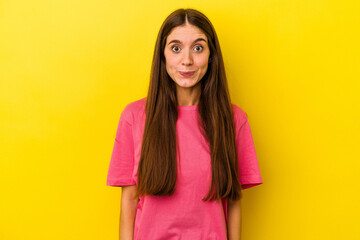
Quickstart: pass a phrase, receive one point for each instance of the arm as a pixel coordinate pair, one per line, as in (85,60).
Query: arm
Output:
(234,220)
(127,213)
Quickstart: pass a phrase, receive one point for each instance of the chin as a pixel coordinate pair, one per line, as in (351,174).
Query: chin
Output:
(187,85)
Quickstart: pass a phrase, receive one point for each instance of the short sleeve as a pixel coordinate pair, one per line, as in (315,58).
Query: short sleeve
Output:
(121,166)
(249,171)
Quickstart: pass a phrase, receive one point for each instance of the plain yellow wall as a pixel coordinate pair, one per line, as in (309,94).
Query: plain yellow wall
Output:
(68,68)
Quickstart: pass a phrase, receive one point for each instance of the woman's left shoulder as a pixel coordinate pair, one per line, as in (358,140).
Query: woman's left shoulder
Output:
(240,116)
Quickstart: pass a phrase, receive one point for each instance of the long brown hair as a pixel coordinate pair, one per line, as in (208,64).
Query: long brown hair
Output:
(157,167)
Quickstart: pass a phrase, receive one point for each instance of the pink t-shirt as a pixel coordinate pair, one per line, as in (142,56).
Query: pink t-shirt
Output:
(182,215)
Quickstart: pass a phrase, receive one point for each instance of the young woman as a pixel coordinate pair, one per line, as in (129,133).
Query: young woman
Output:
(183,153)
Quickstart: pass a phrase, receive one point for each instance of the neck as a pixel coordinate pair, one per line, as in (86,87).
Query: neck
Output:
(188,96)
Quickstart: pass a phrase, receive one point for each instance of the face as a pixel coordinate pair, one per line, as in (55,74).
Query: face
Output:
(187,55)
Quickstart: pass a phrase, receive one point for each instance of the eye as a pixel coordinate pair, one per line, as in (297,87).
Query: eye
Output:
(197,47)
(174,48)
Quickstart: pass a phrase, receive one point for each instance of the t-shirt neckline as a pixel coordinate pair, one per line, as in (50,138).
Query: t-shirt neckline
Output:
(191,107)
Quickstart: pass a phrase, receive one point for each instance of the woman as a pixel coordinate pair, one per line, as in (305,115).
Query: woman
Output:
(182,167)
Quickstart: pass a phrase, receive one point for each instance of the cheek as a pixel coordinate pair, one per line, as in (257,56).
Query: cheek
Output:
(170,68)
(171,61)
(203,63)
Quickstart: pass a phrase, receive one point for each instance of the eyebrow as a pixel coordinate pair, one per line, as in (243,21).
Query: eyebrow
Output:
(177,41)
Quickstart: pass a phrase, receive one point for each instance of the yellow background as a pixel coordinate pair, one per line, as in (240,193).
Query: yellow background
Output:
(68,68)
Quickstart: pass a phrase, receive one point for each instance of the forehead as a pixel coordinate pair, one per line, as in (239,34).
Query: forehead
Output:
(186,33)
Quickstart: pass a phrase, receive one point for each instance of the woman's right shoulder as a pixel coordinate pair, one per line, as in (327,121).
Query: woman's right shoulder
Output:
(136,105)
(133,109)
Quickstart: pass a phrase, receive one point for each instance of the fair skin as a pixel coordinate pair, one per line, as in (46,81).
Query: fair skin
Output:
(127,212)
(186,50)
(234,220)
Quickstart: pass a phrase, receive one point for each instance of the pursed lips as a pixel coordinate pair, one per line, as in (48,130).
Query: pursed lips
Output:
(187,74)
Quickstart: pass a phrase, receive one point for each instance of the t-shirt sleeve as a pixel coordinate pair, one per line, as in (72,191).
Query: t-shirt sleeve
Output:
(249,171)
(121,166)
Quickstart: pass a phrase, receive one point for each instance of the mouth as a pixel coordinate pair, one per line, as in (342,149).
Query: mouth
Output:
(187,74)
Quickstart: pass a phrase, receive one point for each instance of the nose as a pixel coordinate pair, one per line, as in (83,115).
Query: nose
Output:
(187,59)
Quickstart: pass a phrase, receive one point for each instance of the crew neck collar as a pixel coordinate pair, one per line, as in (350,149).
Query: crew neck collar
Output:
(191,107)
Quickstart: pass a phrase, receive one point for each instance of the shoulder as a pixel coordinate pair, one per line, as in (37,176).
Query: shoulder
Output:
(132,110)
(136,105)
(240,116)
